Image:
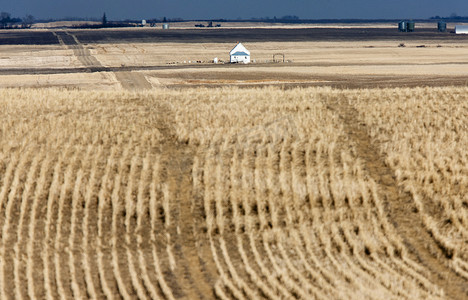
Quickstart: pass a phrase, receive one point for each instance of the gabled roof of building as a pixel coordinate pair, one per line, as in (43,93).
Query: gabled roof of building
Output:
(239,48)
(240,54)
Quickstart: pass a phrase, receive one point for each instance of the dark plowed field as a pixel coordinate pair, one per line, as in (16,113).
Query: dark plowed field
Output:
(15,37)
(27,37)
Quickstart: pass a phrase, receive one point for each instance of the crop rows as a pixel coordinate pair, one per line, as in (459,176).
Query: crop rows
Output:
(289,210)
(424,137)
(224,193)
(79,199)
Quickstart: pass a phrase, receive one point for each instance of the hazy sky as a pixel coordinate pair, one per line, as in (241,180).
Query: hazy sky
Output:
(208,9)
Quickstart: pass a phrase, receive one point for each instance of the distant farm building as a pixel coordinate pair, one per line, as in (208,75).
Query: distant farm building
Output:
(240,54)
(461,29)
(406,26)
(441,26)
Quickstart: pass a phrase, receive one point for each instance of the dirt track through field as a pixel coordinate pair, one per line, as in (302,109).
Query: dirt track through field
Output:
(132,80)
(400,206)
(195,271)
(83,54)
(128,80)
(84,233)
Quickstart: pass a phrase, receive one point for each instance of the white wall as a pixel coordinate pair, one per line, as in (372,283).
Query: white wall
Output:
(240,59)
(461,29)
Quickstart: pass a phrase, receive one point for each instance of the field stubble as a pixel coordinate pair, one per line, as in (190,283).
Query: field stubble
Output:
(233,193)
(76,62)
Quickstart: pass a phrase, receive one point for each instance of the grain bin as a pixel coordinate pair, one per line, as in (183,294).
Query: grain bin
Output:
(402,26)
(165,26)
(461,29)
(410,26)
(441,26)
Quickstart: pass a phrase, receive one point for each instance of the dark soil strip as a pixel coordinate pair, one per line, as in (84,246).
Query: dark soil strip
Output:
(228,35)
(133,80)
(400,206)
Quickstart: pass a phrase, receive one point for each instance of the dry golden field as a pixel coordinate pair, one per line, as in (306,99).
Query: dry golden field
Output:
(128,170)
(93,66)
(229,193)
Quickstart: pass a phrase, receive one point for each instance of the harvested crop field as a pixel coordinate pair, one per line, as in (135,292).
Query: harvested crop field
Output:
(338,57)
(228,193)
(131,167)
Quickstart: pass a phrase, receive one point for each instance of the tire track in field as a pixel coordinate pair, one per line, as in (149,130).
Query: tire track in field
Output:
(83,54)
(129,80)
(195,267)
(132,80)
(400,207)
(195,264)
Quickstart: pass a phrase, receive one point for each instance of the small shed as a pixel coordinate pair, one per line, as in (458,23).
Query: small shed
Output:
(240,54)
(461,29)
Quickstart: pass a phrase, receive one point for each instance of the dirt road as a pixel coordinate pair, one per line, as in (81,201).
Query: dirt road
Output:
(132,80)
(128,80)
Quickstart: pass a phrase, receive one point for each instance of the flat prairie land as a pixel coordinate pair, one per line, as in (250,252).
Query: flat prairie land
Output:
(128,170)
(339,57)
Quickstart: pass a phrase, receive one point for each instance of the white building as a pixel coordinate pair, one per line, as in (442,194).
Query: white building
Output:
(461,29)
(240,54)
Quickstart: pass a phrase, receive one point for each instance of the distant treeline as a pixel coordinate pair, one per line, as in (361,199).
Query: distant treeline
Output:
(452,18)
(9,22)
(107,25)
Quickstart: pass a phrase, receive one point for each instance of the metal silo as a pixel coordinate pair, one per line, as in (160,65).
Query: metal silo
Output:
(461,29)
(410,26)
(165,26)
(441,26)
(402,26)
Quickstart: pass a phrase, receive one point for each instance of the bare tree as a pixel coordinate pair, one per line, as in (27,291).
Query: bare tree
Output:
(4,19)
(5,16)
(28,21)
